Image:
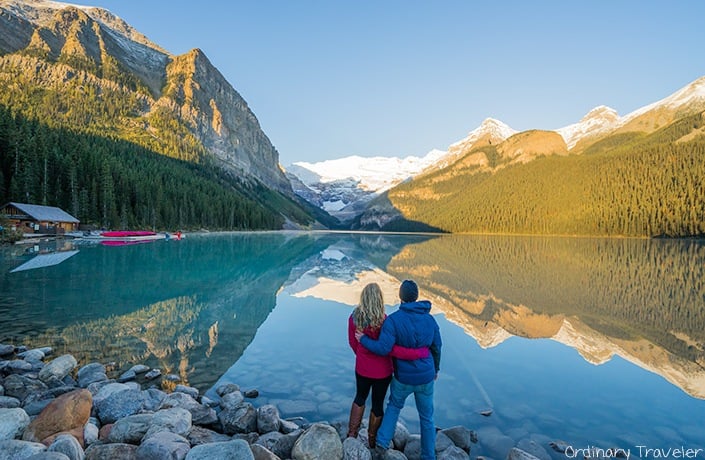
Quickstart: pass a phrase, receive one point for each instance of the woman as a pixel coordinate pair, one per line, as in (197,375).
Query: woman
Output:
(372,371)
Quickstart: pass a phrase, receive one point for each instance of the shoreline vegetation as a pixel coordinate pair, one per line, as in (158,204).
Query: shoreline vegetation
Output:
(52,405)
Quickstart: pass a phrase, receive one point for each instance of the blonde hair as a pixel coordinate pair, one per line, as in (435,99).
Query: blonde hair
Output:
(370,311)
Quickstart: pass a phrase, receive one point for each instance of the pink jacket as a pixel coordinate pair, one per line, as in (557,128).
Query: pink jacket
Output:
(375,366)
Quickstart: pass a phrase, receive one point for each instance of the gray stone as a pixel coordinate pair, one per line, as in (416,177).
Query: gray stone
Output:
(318,442)
(8,402)
(131,429)
(21,386)
(226,388)
(268,419)
(532,447)
(127,376)
(175,420)
(13,449)
(354,449)
(153,399)
(32,355)
(262,453)
(139,369)
(461,436)
(287,426)
(46,350)
(172,378)
(107,389)
(206,401)
(58,368)
(401,436)
(67,445)
(270,439)
(91,373)
(191,391)
(163,445)
(95,387)
(36,407)
(251,394)
(198,435)
(111,452)
(392,454)
(200,414)
(443,442)
(13,423)
(6,349)
(242,419)
(231,450)
(90,434)
(153,374)
(231,400)
(118,405)
(518,454)
(48,456)
(453,453)
(559,446)
(412,449)
(283,446)
(17,365)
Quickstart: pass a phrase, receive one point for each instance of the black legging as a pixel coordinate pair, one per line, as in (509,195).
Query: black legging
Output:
(379,390)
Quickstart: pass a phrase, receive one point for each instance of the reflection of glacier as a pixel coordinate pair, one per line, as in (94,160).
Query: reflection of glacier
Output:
(602,297)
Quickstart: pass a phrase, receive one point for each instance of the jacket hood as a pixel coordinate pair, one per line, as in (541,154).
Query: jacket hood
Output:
(420,306)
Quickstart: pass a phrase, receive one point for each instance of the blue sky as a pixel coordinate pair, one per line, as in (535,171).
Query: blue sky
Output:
(328,79)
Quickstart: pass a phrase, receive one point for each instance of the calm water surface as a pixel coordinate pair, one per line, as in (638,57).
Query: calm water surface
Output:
(595,342)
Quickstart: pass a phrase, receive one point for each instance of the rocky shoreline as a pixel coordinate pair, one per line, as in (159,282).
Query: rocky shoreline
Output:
(50,408)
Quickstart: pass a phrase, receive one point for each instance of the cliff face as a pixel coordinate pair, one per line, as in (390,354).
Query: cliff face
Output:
(52,44)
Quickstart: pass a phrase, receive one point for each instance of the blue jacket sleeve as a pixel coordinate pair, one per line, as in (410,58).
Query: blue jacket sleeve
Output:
(435,349)
(383,345)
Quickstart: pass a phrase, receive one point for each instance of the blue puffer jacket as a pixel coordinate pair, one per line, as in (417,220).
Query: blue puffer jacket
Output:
(411,326)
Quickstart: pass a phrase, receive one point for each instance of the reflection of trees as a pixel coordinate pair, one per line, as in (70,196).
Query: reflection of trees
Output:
(625,289)
(213,294)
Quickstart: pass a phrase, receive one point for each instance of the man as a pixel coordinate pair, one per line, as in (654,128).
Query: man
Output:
(411,326)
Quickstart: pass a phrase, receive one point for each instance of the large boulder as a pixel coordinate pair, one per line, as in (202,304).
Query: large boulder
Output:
(242,419)
(231,400)
(13,423)
(58,368)
(67,445)
(354,449)
(21,386)
(262,453)
(198,435)
(268,419)
(163,445)
(461,436)
(200,414)
(175,420)
(232,450)
(91,373)
(67,413)
(131,429)
(318,442)
(119,405)
(13,449)
(111,452)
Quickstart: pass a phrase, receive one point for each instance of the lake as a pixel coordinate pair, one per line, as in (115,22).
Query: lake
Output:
(595,342)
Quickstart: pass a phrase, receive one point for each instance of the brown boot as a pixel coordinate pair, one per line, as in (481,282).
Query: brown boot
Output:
(375,422)
(356,413)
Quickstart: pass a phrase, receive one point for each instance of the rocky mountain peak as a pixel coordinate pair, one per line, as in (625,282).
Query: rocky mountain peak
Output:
(600,113)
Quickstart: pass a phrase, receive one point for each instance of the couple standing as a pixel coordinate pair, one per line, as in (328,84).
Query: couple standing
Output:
(403,349)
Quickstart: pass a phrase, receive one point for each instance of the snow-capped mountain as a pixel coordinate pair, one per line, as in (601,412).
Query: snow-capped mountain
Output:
(343,186)
(601,119)
(491,131)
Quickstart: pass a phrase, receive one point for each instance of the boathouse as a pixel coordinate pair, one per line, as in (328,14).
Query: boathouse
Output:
(33,218)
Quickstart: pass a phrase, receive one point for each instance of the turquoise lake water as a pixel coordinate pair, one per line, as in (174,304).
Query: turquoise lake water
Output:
(594,342)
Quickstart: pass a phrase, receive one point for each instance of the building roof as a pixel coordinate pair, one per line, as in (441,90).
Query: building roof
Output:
(44,213)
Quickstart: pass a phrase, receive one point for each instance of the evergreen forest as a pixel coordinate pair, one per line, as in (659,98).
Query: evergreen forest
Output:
(114,183)
(629,184)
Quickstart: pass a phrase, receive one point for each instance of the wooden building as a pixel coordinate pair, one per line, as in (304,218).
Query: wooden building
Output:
(32,218)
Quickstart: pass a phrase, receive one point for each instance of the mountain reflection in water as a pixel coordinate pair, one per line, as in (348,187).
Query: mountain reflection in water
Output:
(234,307)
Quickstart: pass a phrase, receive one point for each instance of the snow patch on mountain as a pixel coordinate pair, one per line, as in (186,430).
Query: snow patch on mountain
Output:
(689,94)
(598,120)
(345,183)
